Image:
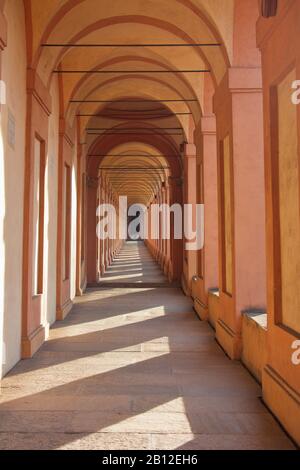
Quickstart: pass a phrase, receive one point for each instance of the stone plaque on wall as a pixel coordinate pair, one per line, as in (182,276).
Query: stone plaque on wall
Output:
(11,130)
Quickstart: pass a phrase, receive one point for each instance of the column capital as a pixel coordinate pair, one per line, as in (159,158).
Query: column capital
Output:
(175,181)
(237,80)
(81,150)
(244,79)
(208,125)
(190,150)
(66,132)
(92,182)
(164,184)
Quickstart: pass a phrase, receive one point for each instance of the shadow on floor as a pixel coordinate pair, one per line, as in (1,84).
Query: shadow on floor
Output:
(133,369)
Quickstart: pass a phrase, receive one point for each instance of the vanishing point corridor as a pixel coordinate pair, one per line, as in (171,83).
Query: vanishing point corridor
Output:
(149,226)
(132,367)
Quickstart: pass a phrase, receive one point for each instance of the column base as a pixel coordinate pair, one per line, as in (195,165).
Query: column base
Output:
(185,286)
(254,334)
(201,309)
(81,289)
(162,262)
(79,292)
(33,342)
(63,310)
(170,272)
(213,307)
(166,267)
(230,341)
(283,401)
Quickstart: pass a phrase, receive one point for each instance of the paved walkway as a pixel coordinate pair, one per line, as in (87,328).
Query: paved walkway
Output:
(134,368)
(134,265)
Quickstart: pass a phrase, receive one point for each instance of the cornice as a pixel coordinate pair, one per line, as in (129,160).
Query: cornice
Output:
(37,89)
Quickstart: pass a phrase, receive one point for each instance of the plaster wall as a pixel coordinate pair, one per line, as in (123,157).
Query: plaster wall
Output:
(50,234)
(13,116)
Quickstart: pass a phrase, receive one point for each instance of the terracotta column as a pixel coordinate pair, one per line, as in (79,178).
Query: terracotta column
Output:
(116,222)
(158,202)
(92,189)
(190,197)
(278,38)
(65,164)
(115,241)
(118,240)
(163,221)
(101,199)
(80,239)
(156,222)
(149,241)
(241,202)
(3,43)
(207,270)
(110,241)
(98,241)
(161,254)
(102,242)
(238,108)
(167,242)
(106,261)
(38,111)
(176,245)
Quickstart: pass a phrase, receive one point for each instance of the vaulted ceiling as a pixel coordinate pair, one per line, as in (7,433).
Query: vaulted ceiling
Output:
(135,92)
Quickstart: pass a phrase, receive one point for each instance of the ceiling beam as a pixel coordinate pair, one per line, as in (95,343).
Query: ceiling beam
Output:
(59,71)
(199,44)
(136,101)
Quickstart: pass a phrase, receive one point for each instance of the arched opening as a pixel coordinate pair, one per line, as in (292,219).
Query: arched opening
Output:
(137,159)
(152,151)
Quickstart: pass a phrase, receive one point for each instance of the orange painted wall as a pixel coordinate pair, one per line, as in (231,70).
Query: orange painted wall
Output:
(12,183)
(281,378)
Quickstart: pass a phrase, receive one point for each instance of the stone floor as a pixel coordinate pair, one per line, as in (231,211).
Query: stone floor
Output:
(134,368)
(134,266)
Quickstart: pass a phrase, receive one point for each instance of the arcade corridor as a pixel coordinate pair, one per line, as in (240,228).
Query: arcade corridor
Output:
(175,123)
(134,368)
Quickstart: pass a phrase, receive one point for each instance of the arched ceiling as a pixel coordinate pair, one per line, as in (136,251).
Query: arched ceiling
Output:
(144,173)
(95,81)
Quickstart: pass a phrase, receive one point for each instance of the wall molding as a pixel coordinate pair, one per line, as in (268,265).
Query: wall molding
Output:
(66,132)
(37,89)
